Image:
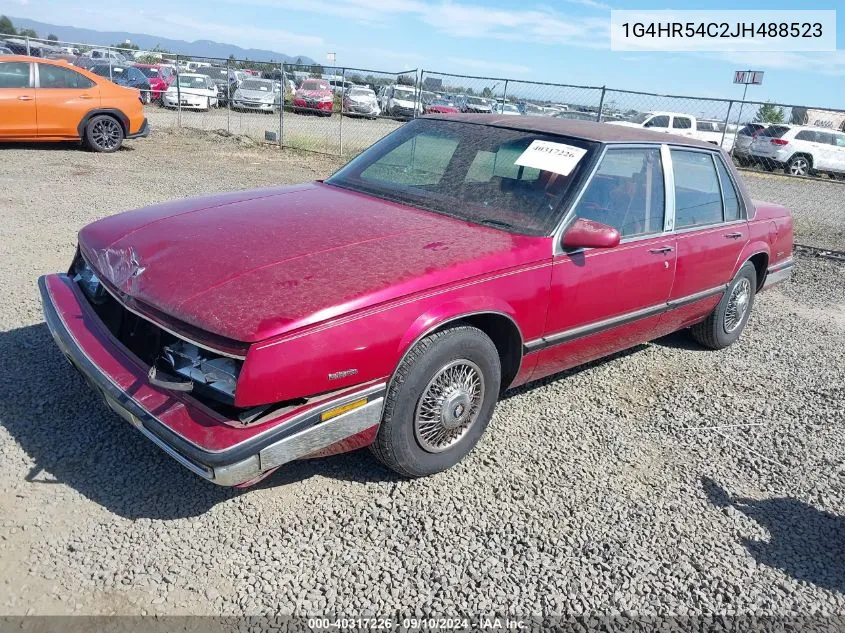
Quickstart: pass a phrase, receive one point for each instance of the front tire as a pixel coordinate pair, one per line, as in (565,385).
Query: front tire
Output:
(727,321)
(103,134)
(439,402)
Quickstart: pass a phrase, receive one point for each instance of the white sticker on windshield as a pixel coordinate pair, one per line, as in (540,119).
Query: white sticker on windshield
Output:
(555,157)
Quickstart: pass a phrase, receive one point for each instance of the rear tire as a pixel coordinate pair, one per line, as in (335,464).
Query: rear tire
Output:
(727,321)
(103,134)
(439,402)
(799,165)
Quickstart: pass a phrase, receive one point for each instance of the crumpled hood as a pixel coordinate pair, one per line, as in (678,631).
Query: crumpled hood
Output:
(252,265)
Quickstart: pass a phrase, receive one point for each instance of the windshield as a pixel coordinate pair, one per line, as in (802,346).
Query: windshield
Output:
(639,118)
(476,101)
(193,82)
(470,172)
(403,95)
(774,131)
(362,92)
(443,102)
(579,116)
(508,108)
(315,85)
(107,71)
(254,84)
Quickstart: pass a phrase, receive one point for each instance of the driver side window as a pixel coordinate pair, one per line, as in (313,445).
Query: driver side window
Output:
(658,121)
(627,192)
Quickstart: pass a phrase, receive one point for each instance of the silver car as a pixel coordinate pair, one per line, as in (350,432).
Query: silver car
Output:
(744,138)
(263,95)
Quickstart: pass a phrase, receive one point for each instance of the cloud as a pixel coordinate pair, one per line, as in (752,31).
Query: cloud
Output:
(257,37)
(541,25)
(830,63)
(480,64)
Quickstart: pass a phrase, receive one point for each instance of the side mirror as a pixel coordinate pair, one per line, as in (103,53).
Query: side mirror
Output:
(589,234)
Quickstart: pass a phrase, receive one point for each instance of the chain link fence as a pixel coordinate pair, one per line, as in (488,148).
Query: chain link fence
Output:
(341,111)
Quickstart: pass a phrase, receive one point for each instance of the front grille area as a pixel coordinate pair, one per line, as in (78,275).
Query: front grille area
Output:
(151,344)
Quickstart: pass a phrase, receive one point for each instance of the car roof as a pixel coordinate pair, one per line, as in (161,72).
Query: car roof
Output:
(587,130)
(812,128)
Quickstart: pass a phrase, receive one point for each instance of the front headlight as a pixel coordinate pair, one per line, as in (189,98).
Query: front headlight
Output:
(326,99)
(202,367)
(88,281)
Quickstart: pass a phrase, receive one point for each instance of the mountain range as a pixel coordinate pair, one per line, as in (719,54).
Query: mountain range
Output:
(198,48)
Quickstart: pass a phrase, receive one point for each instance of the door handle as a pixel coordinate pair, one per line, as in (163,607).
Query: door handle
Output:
(84,96)
(662,250)
(733,236)
(24,98)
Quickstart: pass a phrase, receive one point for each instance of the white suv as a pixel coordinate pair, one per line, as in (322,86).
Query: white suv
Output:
(800,150)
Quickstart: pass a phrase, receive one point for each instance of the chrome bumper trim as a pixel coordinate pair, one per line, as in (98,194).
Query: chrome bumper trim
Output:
(778,273)
(303,434)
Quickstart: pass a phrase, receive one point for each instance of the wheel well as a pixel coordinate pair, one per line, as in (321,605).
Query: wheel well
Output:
(809,157)
(761,263)
(505,336)
(115,114)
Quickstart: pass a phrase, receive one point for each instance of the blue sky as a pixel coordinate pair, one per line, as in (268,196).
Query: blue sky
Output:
(555,41)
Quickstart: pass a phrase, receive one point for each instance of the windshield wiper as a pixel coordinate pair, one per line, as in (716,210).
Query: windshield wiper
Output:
(500,224)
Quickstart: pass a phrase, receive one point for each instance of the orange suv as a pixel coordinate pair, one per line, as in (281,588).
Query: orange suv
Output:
(50,100)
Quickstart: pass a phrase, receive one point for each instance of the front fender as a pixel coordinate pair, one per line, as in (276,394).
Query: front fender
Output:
(367,346)
(441,314)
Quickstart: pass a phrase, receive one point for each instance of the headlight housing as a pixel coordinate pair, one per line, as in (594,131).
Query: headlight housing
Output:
(88,281)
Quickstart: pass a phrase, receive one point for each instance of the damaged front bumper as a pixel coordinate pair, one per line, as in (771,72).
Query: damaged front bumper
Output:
(194,435)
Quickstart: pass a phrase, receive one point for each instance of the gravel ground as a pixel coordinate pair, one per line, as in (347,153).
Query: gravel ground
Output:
(666,480)
(817,205)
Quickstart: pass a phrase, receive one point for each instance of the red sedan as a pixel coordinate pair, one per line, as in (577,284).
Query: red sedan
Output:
(391,304)
(441,106)
(314,95)
(157,77)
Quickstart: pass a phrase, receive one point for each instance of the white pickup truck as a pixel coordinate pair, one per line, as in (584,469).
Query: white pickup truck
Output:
(709,130)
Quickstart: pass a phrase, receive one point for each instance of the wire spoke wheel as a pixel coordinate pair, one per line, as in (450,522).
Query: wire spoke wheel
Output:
(106,133)
(449,406)
(737,304)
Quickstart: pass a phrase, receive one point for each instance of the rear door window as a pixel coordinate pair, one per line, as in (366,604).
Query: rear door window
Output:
(50,76)
(698,200)
(729,195)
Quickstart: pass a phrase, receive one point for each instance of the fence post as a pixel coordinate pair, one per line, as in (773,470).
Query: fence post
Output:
(284,83)
(601,103)
(504,95)
(178,96)
(418,98)
(27,45)
(342,94)
(228,97)
(725,131)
